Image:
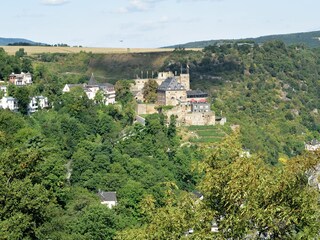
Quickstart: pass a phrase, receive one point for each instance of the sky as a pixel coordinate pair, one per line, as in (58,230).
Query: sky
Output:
(153,23)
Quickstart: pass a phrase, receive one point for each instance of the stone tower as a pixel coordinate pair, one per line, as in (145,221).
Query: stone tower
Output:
(184,79)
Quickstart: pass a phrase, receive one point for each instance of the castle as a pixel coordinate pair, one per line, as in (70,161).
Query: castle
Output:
(190,106)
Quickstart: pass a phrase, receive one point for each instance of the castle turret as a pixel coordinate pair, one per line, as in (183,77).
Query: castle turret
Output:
(184,79)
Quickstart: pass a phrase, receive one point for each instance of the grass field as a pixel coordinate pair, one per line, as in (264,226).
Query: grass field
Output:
(207,134)
(38,49)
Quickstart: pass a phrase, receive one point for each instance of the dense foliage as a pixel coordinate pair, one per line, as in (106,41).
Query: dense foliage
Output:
(244,198)
(53,163)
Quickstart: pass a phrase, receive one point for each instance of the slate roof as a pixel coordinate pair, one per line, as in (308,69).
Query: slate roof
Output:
(107,85)
(74,85)
(107,196)
(196,93)
(93,82)
(314,142)
(10,98)
(170,84)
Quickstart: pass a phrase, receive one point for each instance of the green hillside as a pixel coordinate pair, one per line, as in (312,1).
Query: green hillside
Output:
(310,39)
(54,162)
(271,91)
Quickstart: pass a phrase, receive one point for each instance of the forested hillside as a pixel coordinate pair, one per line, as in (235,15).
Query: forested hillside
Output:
(54,162)
(310,39)
(271,91)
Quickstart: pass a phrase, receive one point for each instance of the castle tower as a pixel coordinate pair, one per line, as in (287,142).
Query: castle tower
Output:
(184,79)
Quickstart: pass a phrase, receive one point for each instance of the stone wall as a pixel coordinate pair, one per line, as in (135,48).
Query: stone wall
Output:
(185,117)
(180,112)
(200,119)
(138,85)
(174,98)
(145,109)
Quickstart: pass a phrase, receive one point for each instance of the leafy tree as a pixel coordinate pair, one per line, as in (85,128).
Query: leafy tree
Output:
(172,131)
(23,98)
(123,93)
(95,222)
(99,97)
(250,198)
(243,195)
(20,53)
(150,91)
(27,65)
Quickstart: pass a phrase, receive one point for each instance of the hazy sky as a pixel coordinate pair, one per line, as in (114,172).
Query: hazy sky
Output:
(153,23)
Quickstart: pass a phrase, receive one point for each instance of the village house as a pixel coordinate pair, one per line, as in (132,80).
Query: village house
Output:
(68,87)
(313,145)
(108,198)
(21,79)
(9,103)
(92,88)
(36,103)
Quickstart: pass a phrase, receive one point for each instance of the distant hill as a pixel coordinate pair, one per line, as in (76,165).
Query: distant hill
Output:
(310,39)
(18,41)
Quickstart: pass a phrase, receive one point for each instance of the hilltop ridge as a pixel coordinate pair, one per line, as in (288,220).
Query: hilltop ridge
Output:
(7,41)
(310,39)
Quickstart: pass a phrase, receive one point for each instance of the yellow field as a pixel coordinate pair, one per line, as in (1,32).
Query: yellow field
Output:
(37,49)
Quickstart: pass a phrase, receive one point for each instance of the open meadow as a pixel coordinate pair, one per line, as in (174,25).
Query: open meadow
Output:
(47,49)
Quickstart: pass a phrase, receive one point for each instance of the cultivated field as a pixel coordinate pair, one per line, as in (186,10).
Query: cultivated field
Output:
(207,134)
(37,49)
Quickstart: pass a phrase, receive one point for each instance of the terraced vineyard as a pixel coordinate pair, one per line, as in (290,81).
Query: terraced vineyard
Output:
(207,134)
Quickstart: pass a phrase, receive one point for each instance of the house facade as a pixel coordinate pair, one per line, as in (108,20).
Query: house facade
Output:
(91,89)
(21,79)
(9,103)
(313,145)
(36,103)
(108,198)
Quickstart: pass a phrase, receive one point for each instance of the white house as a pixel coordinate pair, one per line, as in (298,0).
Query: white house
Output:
(21,79)
(313,145)
(92,88)
(4,90)
(108,198)
(36,103)
(68,87)
(9,103)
